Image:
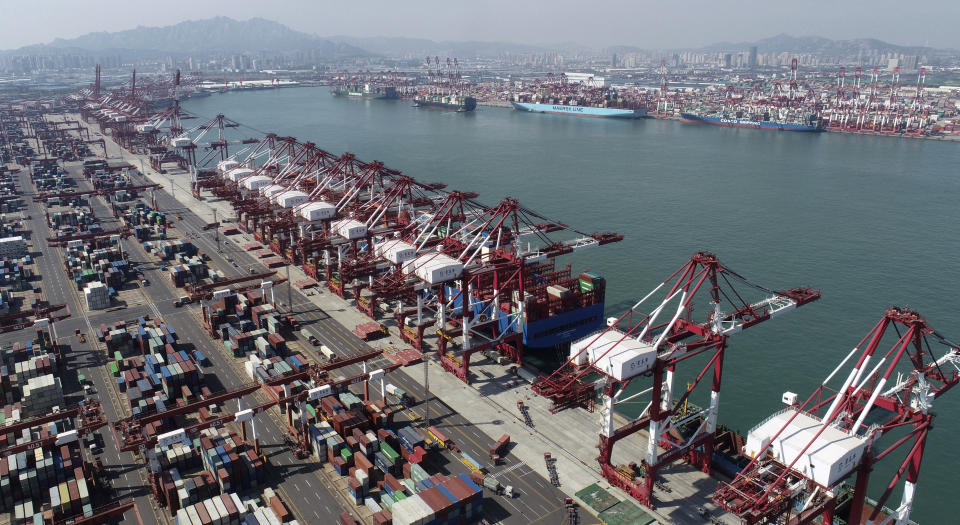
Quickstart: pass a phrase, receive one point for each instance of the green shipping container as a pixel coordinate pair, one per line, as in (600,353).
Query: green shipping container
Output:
(389,452)
(346,455)
(113,369)
(117,357)
(586,286)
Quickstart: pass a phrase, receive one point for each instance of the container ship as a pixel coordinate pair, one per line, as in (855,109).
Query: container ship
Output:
(769,118)
(458,102)
(366,90)
(580,111)
(559,308)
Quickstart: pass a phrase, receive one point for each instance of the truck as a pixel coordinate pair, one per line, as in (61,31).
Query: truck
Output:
(310,337)
(499,448)
(400,394)
(325,350)
(491,484)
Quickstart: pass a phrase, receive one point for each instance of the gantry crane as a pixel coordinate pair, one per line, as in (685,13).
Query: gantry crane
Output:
(640,343)
(90,418)
(18,321)
(802,454)
(131,433)
(89,236)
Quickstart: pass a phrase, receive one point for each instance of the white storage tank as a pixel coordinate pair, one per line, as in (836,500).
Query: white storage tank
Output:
(318,211)
(226,165)
(396,251)
(434,267)
(180,142)
(289,199)
(620,357)
(350,229)
(832,456)
(256,182)
(237,174)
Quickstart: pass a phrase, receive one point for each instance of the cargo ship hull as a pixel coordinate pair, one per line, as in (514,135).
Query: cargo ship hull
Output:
(753,124)
(469,104)
(385,93)
(580,111)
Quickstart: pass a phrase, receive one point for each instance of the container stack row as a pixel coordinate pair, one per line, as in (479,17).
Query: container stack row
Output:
(230,509)
(30,481)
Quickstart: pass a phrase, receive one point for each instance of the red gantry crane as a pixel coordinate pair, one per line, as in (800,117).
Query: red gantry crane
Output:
(802,454)
(655,343)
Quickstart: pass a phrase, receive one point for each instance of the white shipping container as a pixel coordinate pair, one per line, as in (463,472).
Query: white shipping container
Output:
(222,510)
(194,515)
(212,511)
(428,513)
(237,503)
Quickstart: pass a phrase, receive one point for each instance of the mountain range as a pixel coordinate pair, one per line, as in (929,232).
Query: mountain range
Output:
(816,45)
(198,37)
(225,35)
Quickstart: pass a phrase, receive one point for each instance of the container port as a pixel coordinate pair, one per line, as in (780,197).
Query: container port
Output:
(261,351)
(850,100)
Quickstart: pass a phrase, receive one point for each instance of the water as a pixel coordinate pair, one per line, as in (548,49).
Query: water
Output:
(869,220)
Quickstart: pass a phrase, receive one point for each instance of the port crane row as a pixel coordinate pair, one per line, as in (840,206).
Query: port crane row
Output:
(390,209)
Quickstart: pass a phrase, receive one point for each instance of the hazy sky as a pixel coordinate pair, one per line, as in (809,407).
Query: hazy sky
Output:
(648,24)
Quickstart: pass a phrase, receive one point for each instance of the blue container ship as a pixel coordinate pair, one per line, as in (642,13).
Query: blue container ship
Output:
(804,125)
(580,111)
(559,308)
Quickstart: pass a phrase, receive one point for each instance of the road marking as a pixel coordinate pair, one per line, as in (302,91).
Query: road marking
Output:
(509,469)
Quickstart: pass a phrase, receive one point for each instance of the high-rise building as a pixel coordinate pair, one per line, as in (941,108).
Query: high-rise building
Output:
(613,61)
(727,59)
(752,59)
(910,62)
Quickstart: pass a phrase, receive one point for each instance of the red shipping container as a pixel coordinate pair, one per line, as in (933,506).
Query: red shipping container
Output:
(202,511)
(232,509)
(223,476)
(346,519)
(280,509)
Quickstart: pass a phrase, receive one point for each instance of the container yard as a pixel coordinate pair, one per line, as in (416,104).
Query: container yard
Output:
(240,396)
